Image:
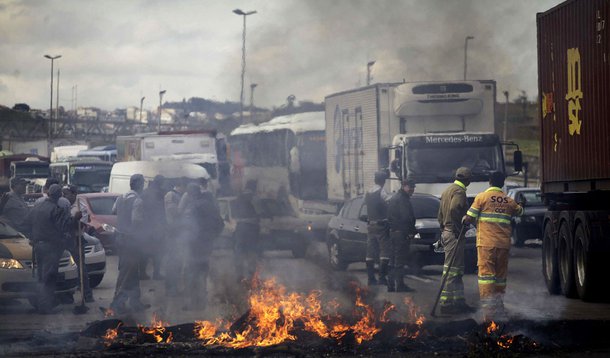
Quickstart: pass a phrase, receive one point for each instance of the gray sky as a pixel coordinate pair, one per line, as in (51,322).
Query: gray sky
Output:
(119,51)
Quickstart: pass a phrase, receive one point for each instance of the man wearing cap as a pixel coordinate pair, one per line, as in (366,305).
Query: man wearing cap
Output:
(452,209)
(49,225)
(493,210)
(15,209)
(69,193)
(130,224)
(402,230)
(63,202)
(377,248)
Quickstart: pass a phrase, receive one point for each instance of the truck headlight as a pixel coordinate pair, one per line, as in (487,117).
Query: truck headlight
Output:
(109,228)
(10,264)
(417,236)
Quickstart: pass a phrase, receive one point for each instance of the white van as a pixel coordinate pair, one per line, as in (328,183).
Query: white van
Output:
(121,172)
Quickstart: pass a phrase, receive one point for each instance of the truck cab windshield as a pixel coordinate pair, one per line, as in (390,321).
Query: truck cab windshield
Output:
(437,164)
(90,178)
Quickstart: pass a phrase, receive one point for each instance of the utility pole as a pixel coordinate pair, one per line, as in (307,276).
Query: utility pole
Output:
(252,87)
(243,61)
(504,136)
(466,54)
(57,102)
(49,134)
(161,93)
(141,103)
(368,72)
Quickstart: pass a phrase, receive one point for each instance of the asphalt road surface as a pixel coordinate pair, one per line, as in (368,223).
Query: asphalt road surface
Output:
(526,296)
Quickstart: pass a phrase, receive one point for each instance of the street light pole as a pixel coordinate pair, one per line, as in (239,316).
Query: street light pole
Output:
(52,58)
(368,72)
(243,61)
(161,93)
(466,54)
(504,136)
(252,87)
(141,103)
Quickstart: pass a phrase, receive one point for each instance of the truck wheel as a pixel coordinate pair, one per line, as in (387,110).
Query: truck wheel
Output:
(550,271)
(335,256)
(566,262)
(95,280)
(584,265)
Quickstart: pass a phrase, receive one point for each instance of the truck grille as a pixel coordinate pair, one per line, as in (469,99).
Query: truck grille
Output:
(88,249)
(64,261)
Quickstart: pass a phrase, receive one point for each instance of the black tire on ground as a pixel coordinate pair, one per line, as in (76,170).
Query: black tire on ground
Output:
(335,256)
(550,270)
(95,280)
(584,265)
(517,239)
(565,255)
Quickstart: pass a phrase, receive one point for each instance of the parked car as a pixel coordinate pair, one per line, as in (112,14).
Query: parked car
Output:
(95,259)
(16,277)
(347,233)
(529,225)
(101,222)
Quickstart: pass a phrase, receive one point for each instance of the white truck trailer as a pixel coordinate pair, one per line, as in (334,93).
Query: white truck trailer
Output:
(421,130)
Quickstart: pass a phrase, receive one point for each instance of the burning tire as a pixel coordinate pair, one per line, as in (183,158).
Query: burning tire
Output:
(550,272)
(566,261)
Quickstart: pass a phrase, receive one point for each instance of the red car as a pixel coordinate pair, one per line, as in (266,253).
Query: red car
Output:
(101,222)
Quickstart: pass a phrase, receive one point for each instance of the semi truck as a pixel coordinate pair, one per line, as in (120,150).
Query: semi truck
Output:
(203,148)
(283,162)
(420,130)
(574,92)
(31,167)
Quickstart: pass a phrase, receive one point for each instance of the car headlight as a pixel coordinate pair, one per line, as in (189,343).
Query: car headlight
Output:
(9,264)
(472,232)
(417,236)
(72,262)
(98,247)
(108,228)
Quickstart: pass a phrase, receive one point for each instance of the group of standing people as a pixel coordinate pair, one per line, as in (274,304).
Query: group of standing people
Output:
(52,226)
(391,228)
(183,222)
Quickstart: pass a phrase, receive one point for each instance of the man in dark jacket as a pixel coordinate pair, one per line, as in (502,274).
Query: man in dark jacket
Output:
(377,248)
(15,209)
(204,224)
(49,226)
(246,245)
(130,225)
(154,215)
(402,231)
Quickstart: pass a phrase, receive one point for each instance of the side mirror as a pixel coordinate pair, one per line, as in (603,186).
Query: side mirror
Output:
(518,161)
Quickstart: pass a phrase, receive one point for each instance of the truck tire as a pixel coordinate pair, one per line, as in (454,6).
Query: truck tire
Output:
(585,268)
(566,261)
(335,256)
(550,271)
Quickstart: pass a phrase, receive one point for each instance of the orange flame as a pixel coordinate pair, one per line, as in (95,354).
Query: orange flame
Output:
(111,335)
(414,316)
(157,330)
(492,327)
(504,341)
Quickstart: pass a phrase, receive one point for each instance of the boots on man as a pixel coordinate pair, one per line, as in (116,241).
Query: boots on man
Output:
(370,271)
(399,273)
(383,272)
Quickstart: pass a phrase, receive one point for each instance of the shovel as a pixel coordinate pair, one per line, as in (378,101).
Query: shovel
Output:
(81,309)
(444,280)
